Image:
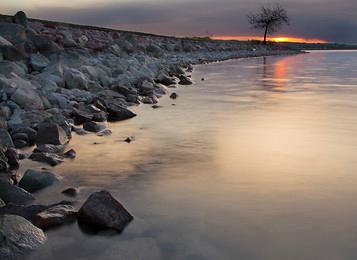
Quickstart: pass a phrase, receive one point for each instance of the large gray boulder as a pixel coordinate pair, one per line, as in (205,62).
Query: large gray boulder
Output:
(34,180)
(75,79)
(14,33)
(103,211)
(27,98)
(51,133)
(18,237)
(13,194)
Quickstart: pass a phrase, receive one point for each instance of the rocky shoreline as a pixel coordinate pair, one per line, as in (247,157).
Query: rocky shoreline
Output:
(57,79)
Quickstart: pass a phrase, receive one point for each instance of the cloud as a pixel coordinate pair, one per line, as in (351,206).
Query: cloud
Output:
(330,20)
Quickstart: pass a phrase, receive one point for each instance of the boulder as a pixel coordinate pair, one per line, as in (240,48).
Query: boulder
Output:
(49,148)
(27,98)
(184,80)
(94,126)
(7,68)
(75,79)
(20,143)
(34,180)
(55,216)
(5,138)
(30,133)
(12,157)
(103,211)
(44,44)
(18,237)
(12,53)
(165,80)
(13,194)
(20,18)
(14,33)
(118,113)
(51,133)
(49,158)
(38,62)
(81,117)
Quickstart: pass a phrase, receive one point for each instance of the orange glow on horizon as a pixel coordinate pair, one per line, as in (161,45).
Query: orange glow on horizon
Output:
(274,39)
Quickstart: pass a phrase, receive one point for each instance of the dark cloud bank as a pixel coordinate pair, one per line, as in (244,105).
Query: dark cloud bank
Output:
(335,21)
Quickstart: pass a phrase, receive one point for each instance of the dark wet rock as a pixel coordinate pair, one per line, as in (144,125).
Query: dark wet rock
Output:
(49,148)
(70,154)
(34,180)
(156,106)
(18,237)
(81,117)
(129,139)
(75,79)
(13,194)
(20,143)
(12,157)
(101,210)
(5,138)
(49,158)
(94,126)
(20,136)
(119,113)
(51,133)
(12,53)
(2,203)
(79,131)
(30,132)
(20,18)
(44,44)
(202,79)
(184,80)
(55,216)
(71,192)
(105,132)
(100,116)
(173,96)
(165,80)
(23,156)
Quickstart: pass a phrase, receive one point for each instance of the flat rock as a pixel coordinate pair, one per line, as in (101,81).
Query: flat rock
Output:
(55,216)
(49,158)
(10,193)
(18,237)
(103,211)
(34,180)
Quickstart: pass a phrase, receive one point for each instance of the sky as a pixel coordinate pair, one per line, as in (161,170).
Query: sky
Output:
(333,21)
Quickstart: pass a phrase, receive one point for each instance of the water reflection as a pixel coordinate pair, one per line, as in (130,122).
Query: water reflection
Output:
(256,162)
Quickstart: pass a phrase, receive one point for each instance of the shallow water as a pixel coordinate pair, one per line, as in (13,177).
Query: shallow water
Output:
(259,161)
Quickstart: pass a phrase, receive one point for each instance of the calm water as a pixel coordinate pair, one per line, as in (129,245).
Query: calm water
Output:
(259,161)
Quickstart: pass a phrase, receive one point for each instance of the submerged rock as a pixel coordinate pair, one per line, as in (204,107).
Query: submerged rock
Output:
(18,237)
(101,210)
(71,192)
(55,216)
(34,180)
(49,158)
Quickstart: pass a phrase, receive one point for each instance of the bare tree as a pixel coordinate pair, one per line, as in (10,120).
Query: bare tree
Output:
(269,18)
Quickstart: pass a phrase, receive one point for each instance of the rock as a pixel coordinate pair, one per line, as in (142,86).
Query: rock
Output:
(100,116)
(2,203)
(156,106)
(49,158)
(28,212)
(20,143)
(173,96)
(7,68)
(12,157)
(20,136)
(44,44)
(5,138)
(130,139)
(94,127)
(27,98)
(55,216)
(51,133)
(70,154)
(30,133)
(10,193)
(14,33)
(20,18)
(184,80)
(18,237)
(49,148)
(165,80)
(81,117)
(34,180)
(118,113)
(101,210)
(75,79)
(12,53)
(4,42)
(202,79)
(38,62)
(79,131)
(71,192)
(105,132)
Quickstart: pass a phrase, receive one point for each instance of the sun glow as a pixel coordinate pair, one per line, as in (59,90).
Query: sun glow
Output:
(274,39)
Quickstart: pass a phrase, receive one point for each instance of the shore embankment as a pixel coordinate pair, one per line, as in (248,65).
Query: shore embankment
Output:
(60,79)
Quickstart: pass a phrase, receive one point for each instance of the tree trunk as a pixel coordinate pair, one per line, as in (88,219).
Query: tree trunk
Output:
(265,34)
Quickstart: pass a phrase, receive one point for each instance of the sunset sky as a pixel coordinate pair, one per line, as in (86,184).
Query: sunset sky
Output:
(333,21)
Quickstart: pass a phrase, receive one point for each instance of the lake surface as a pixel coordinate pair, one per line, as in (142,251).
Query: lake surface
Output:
(259,161)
